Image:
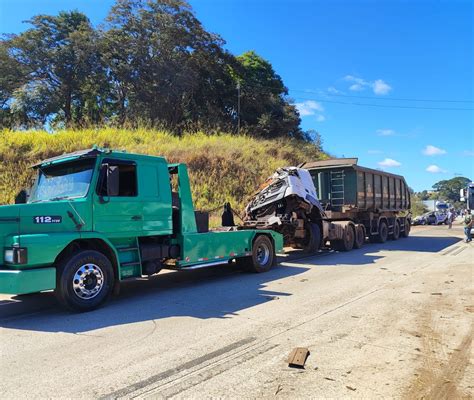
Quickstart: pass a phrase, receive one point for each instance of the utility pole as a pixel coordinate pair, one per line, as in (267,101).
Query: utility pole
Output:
(238,108)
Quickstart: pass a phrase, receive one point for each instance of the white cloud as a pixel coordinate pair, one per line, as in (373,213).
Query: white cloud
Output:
(309,107)
(389,163)
(431,150)
(358,84)
(386,132)
(356,87)
(320,118)
(468,153)
(374,151)
(333,90)
(381,87)
(434,169)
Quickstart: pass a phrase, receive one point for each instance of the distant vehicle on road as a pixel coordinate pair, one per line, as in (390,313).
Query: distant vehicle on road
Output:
(431,218)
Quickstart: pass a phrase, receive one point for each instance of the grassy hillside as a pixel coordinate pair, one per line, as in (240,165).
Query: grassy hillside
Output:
(222,167)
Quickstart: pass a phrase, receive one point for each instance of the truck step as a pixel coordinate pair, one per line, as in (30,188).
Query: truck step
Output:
(129,264)
(122,249)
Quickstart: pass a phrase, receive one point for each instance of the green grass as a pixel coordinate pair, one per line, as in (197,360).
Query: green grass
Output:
(222,167)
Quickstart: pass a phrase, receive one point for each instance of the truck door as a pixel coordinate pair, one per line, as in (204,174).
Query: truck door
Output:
(118,212)
(154,180)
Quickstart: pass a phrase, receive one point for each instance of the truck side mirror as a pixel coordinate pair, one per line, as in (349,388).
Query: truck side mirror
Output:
(113,180)
(21,197)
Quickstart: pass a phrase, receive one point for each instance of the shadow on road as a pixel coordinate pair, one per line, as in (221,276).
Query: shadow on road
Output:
(207,293)
(217,292)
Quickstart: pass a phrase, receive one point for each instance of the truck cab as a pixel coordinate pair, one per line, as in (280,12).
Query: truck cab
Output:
(96,217)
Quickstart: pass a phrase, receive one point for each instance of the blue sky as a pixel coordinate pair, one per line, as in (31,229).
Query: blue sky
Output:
(383,53)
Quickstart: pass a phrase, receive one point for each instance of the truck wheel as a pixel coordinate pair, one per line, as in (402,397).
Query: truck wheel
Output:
(347,241)
(84,280)
(359,237)
(406,230)
(314,239)
(263,254)
(382,236)
(396,230)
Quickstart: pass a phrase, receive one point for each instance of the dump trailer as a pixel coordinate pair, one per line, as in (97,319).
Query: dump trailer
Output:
(334,203)
(97,217)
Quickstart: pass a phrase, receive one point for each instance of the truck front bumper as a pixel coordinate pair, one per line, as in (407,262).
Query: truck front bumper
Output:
(27,281)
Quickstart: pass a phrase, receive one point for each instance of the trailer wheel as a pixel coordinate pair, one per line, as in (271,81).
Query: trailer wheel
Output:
(263,254)
(396,230)
(84,280)
(406,230)
(359,236)
(314,238)
(347,241)
(382,236)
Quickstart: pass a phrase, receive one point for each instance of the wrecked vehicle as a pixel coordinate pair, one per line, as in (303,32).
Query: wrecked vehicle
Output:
(334,203)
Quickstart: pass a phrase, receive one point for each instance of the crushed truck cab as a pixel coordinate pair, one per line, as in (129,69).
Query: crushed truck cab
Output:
(97,217)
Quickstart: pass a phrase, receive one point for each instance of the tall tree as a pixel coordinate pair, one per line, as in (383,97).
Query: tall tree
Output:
(59,55)
(449,189)
(164,66)
(264,107)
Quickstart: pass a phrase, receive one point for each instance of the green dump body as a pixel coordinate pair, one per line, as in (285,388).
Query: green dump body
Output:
(147,210)
(343,185)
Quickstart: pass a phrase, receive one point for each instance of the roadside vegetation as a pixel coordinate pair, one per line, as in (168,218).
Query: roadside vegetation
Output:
(223,167)
(149,63)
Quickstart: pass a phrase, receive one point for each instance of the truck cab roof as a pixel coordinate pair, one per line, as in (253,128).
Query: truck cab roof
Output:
(93,153)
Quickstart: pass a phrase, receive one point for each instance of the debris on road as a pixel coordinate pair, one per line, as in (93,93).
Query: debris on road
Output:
(279,388)
(298,357)
(436,294)
(351,388)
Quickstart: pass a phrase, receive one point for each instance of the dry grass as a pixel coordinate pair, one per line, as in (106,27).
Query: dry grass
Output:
(222,167)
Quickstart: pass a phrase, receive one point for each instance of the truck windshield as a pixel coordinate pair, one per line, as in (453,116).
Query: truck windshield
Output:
(63,181)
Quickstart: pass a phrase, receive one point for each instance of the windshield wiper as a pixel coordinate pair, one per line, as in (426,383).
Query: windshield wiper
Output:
(61,198)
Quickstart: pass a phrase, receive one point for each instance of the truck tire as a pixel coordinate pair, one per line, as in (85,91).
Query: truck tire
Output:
(383,232)
(347,241)
(396,230)
(84,280)
(406,230)
(263,254)
(359,237)
(314,239)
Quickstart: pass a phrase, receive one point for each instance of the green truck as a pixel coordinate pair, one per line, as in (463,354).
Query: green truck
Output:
(96,217)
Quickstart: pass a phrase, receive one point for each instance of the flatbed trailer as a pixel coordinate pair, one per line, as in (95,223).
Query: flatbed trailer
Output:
(97,217)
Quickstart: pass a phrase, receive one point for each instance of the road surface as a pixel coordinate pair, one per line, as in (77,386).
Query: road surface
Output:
(388,320)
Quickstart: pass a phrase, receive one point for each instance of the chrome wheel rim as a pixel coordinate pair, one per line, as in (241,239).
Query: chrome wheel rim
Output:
(263,254)
(88,281)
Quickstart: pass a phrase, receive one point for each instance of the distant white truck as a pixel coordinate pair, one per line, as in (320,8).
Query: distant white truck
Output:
(467,195)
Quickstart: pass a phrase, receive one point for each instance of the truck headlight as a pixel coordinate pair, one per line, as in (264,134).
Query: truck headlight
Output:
(16,255)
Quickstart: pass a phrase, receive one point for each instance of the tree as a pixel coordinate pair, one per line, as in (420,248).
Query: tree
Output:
(264,108)
(60,59)
(164,66)
(151,63)
(12,76)
(449,189)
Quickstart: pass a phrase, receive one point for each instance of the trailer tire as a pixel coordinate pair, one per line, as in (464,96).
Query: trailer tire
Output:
(347,241)
(84,280)
(314,242)
(263,254)
(359,236)
(406,230)
(396,230)
(382,236)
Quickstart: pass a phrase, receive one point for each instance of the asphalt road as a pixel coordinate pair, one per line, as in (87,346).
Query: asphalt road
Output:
(388,320)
